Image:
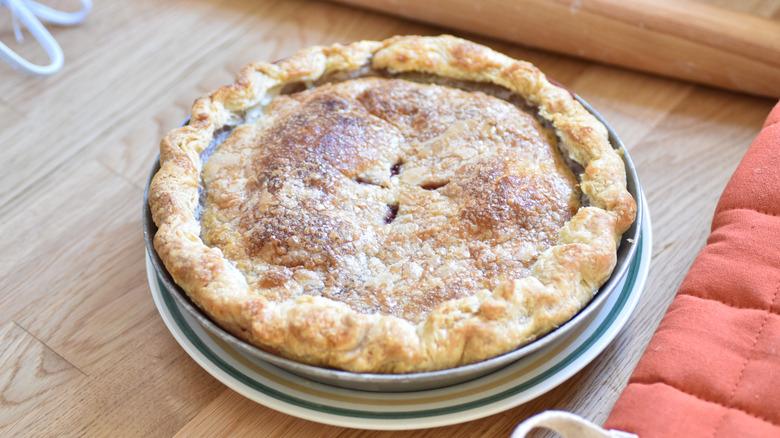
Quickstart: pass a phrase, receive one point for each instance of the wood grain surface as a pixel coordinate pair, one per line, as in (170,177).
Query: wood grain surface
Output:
(84,351)
(694,41)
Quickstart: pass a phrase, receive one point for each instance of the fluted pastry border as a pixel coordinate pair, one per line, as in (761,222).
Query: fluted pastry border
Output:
(323,332)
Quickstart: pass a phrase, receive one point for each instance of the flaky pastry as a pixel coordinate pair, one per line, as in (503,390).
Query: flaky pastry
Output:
(408,205)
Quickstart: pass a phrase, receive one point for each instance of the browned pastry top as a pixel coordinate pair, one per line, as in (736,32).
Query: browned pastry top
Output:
(388,195)
(376,224)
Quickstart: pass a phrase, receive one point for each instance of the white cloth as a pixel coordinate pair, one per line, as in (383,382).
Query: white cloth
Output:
(567,425)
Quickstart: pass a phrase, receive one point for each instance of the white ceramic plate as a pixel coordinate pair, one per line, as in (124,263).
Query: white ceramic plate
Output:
(506,388)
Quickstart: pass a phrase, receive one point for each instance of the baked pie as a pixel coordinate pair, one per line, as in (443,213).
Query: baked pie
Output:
(408,205)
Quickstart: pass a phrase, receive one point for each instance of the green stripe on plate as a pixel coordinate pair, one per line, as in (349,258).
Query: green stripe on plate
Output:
(196,341)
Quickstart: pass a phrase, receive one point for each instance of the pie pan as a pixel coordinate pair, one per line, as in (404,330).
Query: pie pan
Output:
(429,379)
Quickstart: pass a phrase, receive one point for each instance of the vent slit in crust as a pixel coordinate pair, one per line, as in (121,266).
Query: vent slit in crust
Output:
(395,169)
(434,185)
(392,211)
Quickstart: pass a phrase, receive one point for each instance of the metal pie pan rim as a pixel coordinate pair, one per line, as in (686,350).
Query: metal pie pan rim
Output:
(427,379)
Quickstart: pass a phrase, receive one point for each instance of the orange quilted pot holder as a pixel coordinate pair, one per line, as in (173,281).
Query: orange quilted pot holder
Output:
(712,369)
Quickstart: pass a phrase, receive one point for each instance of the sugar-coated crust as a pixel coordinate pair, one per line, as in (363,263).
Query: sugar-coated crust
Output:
(325,332)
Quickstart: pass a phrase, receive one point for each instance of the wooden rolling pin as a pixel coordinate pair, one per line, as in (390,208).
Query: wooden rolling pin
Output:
(675,38)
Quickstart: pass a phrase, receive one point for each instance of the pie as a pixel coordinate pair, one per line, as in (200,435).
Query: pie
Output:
(396,206)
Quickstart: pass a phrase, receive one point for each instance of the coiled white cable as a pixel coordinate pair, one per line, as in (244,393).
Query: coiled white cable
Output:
(30,14)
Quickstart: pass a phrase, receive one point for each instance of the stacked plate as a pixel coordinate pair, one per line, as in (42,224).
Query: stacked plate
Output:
(404,401)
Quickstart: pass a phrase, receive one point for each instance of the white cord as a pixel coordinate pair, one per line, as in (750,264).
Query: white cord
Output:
(30,14)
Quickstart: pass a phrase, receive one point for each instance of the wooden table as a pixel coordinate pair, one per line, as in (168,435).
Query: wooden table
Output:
(85,352)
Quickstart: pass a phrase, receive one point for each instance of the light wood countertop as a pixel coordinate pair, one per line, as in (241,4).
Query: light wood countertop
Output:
(83,349)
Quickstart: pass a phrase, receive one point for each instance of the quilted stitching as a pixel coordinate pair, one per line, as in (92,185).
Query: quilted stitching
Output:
(712,369)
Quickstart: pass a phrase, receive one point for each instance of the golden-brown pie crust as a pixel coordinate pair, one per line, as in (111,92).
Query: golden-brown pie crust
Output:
(411,256)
